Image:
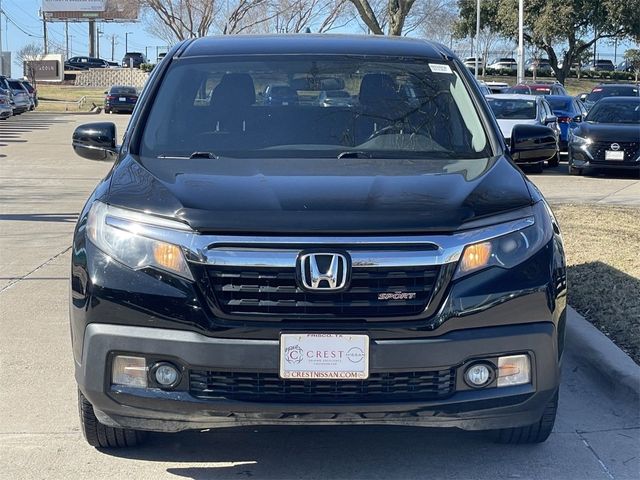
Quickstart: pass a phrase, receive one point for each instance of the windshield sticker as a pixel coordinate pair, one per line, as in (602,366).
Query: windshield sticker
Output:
(439,68)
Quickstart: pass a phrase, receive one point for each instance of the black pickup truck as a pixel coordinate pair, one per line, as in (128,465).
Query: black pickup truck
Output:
(377,261)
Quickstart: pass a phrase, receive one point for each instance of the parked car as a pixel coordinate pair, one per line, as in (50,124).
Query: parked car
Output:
(85,63)
(4,85)
(335,98)
(484,88)
(625,66)
(541,66)
(498,87)
(120,99)
(280,94)
(133,59)
(601,65)
(570,113)
(503,65)
(610,137)
(470,63)
(21,98)
(605,90)
(515,109)
(6,110)
(539,88)
(249,264)
(33,93)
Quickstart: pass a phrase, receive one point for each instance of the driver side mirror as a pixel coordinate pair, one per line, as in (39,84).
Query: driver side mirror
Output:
(550,119)
(95,141)
(532,143)
(577,118)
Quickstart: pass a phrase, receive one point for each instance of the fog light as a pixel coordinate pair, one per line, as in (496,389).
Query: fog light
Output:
(478,375)
(514,370)
(166,374)
(129,371)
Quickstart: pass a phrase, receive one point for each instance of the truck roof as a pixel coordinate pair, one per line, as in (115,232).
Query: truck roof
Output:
(305,43)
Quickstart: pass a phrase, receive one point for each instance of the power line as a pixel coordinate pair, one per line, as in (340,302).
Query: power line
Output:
(19,27)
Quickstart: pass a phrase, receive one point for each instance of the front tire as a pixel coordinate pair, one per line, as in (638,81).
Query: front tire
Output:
(102,436)
(536,433)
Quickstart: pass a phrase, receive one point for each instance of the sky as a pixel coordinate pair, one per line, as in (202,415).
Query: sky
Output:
(21,25)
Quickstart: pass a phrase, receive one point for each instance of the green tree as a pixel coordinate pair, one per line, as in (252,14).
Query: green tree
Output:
(633,57)
(563,29)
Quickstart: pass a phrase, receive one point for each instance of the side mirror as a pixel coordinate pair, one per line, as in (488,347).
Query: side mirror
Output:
(95,141)
(583,96)
(551,119)
(106,92)
(532,143)
(577,118)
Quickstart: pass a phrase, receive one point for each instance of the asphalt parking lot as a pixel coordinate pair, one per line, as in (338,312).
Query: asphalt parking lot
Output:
(43,186)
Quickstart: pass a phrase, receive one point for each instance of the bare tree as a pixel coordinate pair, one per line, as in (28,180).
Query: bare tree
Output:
(294,16)
(175,20)
(394,14)
(28,54)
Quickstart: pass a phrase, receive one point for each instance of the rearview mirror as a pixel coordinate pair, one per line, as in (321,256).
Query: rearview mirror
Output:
(95,141)
(532,143)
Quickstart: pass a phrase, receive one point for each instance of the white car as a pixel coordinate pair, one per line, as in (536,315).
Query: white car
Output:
(504,65)
(515,109)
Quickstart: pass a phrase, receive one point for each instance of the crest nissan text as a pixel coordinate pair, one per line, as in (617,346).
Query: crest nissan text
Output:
(315,229)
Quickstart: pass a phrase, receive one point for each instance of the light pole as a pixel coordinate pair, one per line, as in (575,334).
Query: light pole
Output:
(477,35)
(126,42)
(520,41)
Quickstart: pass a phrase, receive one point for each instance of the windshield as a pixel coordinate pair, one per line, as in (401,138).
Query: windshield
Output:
(225,108)
(622,91)
(615,112)
(559,103)
(513,109)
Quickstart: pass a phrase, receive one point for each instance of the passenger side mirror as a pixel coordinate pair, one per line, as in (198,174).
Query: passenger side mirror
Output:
(532,143)
(577,118)
(95,141)
(550,119)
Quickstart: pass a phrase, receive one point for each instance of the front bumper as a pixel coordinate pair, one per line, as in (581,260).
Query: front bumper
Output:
(471,409)
(581,160)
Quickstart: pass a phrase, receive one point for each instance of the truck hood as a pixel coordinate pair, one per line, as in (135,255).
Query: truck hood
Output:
(608,132)
(323,196)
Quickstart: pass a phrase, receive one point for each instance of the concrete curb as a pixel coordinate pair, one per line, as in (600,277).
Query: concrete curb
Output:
(601,356)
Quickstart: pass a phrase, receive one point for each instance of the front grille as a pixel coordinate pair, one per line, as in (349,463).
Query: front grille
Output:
(274,291)
(269,387)
(631,151)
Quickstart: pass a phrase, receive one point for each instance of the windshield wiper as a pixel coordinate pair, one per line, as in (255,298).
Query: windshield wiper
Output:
(354,154)
(210,155)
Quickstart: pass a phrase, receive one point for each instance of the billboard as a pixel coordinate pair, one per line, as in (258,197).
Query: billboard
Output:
(84,10)
(73,5)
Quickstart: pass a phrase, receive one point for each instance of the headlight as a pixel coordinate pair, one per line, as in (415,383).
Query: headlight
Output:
(507,250)
(577,141)
(120,234)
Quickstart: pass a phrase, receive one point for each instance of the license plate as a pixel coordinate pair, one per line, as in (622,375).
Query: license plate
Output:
(324,356)
(123,99)
(613,155)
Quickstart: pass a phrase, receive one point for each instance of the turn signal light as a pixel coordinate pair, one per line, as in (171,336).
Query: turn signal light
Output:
(475,256)
(168,256)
